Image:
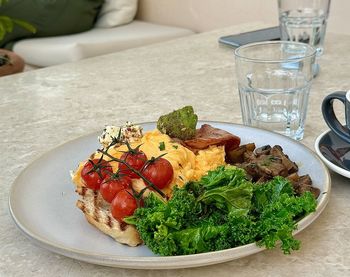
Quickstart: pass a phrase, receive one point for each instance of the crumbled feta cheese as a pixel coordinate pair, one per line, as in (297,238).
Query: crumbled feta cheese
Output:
(117,135)
(109,133)
(131,132)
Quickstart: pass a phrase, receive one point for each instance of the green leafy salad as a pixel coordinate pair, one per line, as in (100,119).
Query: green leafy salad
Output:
(220,211)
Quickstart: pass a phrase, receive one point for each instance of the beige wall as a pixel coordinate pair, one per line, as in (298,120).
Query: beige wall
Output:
(204,15)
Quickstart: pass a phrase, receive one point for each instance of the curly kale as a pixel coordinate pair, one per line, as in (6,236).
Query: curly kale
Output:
(220,211)
(223,176)
(277,209)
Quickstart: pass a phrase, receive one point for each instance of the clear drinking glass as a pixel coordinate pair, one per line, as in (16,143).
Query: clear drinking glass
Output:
(274,80)
(304,21)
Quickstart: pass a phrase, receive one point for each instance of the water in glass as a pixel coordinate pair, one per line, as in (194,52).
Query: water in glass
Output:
(268,105)
(304,25)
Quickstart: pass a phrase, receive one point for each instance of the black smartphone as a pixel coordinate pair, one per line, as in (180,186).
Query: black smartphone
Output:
(237,40)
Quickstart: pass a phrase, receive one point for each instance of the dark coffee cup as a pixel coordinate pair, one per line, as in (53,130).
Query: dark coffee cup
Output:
(329,116)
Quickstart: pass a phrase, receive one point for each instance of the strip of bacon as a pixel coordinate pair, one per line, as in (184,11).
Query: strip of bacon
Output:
(208,135)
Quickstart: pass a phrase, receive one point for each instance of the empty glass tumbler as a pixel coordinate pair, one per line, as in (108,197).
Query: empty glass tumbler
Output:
(304,21)
(274,80)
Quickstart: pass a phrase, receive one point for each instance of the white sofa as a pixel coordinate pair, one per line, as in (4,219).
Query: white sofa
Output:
(115,30)
(42,52)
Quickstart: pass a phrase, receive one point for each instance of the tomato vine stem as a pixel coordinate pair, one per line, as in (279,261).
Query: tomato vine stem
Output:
(138,173)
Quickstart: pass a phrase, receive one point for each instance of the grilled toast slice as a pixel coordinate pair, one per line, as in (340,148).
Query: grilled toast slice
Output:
(97,212)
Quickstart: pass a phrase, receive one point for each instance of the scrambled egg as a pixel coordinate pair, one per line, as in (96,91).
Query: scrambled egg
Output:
(187,166)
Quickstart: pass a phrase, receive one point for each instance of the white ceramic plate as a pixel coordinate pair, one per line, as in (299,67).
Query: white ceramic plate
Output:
(42,204)
(328,141)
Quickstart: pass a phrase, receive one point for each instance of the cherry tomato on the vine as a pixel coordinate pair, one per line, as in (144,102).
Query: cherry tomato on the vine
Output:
(135,159)
(111,186)
(94,171)
(124,204)
(160,172)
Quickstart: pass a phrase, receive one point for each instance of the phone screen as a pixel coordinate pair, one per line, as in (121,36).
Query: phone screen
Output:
(254,36)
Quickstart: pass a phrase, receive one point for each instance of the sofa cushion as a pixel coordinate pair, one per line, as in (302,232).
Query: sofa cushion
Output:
(98,41)
(50,18)
(116,12)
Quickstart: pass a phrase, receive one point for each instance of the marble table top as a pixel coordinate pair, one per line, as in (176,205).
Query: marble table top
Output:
(43,108)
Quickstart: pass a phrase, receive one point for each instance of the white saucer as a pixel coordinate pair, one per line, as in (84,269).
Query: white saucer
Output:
(328,143)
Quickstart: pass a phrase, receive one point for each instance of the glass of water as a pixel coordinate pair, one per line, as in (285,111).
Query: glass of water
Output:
(304,21)
(274,80)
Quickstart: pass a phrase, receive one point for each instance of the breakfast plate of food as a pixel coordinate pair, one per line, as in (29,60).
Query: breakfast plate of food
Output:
(174,193)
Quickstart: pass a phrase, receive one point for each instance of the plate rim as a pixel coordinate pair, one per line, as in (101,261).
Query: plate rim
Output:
(163,262)
(341,171)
